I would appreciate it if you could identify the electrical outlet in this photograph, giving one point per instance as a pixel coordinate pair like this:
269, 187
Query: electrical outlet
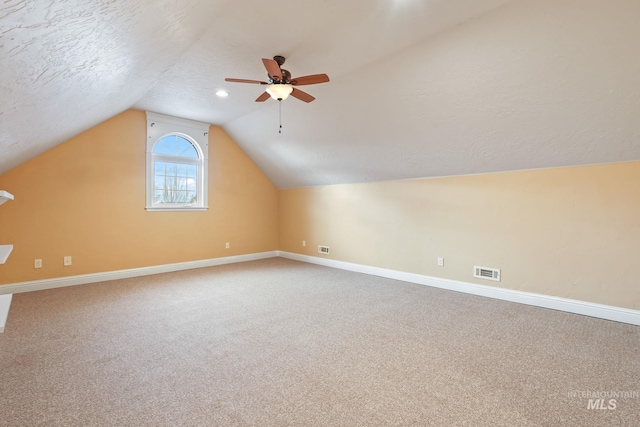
304, 243
37, 263
440, 262
227, 245
67, 261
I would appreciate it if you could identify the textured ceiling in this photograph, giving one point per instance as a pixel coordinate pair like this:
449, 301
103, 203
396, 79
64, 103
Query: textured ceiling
418, 88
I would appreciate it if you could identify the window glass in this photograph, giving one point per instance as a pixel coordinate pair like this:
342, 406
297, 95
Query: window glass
175, 145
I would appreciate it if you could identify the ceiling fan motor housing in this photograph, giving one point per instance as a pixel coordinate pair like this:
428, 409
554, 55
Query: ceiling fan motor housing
286, 75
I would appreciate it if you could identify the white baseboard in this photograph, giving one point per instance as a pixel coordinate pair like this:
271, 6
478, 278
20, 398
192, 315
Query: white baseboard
5, 303
59, 282
607, 312
601, 311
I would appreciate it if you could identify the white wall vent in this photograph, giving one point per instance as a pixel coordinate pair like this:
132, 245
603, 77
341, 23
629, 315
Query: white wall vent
486, 273
323, 249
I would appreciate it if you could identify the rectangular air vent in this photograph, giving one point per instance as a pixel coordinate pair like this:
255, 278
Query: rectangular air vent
323, 249
486, 273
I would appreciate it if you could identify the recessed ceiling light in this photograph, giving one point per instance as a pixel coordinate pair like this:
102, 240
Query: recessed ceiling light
222, 93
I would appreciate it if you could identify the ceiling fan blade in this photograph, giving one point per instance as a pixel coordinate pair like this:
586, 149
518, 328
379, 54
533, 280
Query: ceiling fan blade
255, 82
302, 96
273, 69
310, 80
263, 97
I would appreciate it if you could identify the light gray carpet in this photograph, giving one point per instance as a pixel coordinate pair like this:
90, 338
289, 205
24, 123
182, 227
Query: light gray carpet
282, 343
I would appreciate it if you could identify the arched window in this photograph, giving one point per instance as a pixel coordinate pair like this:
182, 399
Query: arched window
176, 163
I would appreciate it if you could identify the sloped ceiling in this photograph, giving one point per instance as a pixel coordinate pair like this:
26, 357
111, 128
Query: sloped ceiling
418, 88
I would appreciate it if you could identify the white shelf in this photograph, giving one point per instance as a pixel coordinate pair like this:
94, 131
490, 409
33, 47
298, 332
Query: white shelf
5, 303
5, 250
5, 196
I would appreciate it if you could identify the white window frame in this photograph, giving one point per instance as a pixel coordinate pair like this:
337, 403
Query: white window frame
159, 126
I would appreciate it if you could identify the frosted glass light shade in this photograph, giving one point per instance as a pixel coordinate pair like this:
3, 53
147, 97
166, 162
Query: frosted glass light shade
279, 91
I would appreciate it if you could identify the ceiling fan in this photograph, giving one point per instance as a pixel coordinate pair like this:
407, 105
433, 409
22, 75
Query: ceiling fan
280, 84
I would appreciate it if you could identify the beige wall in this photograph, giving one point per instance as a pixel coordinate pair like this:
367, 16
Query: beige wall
86, 198
572, 232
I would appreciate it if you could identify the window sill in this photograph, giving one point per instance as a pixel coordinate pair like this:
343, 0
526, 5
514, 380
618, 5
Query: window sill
177, 209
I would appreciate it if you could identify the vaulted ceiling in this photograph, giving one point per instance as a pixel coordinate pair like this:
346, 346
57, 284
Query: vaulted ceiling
418, 88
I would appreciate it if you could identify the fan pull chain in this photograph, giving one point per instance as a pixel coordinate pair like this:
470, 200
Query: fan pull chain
280, 108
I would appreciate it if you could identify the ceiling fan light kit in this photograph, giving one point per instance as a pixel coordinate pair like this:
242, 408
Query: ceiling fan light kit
279, 91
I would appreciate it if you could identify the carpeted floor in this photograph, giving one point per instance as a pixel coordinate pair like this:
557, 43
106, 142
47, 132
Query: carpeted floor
282, 343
